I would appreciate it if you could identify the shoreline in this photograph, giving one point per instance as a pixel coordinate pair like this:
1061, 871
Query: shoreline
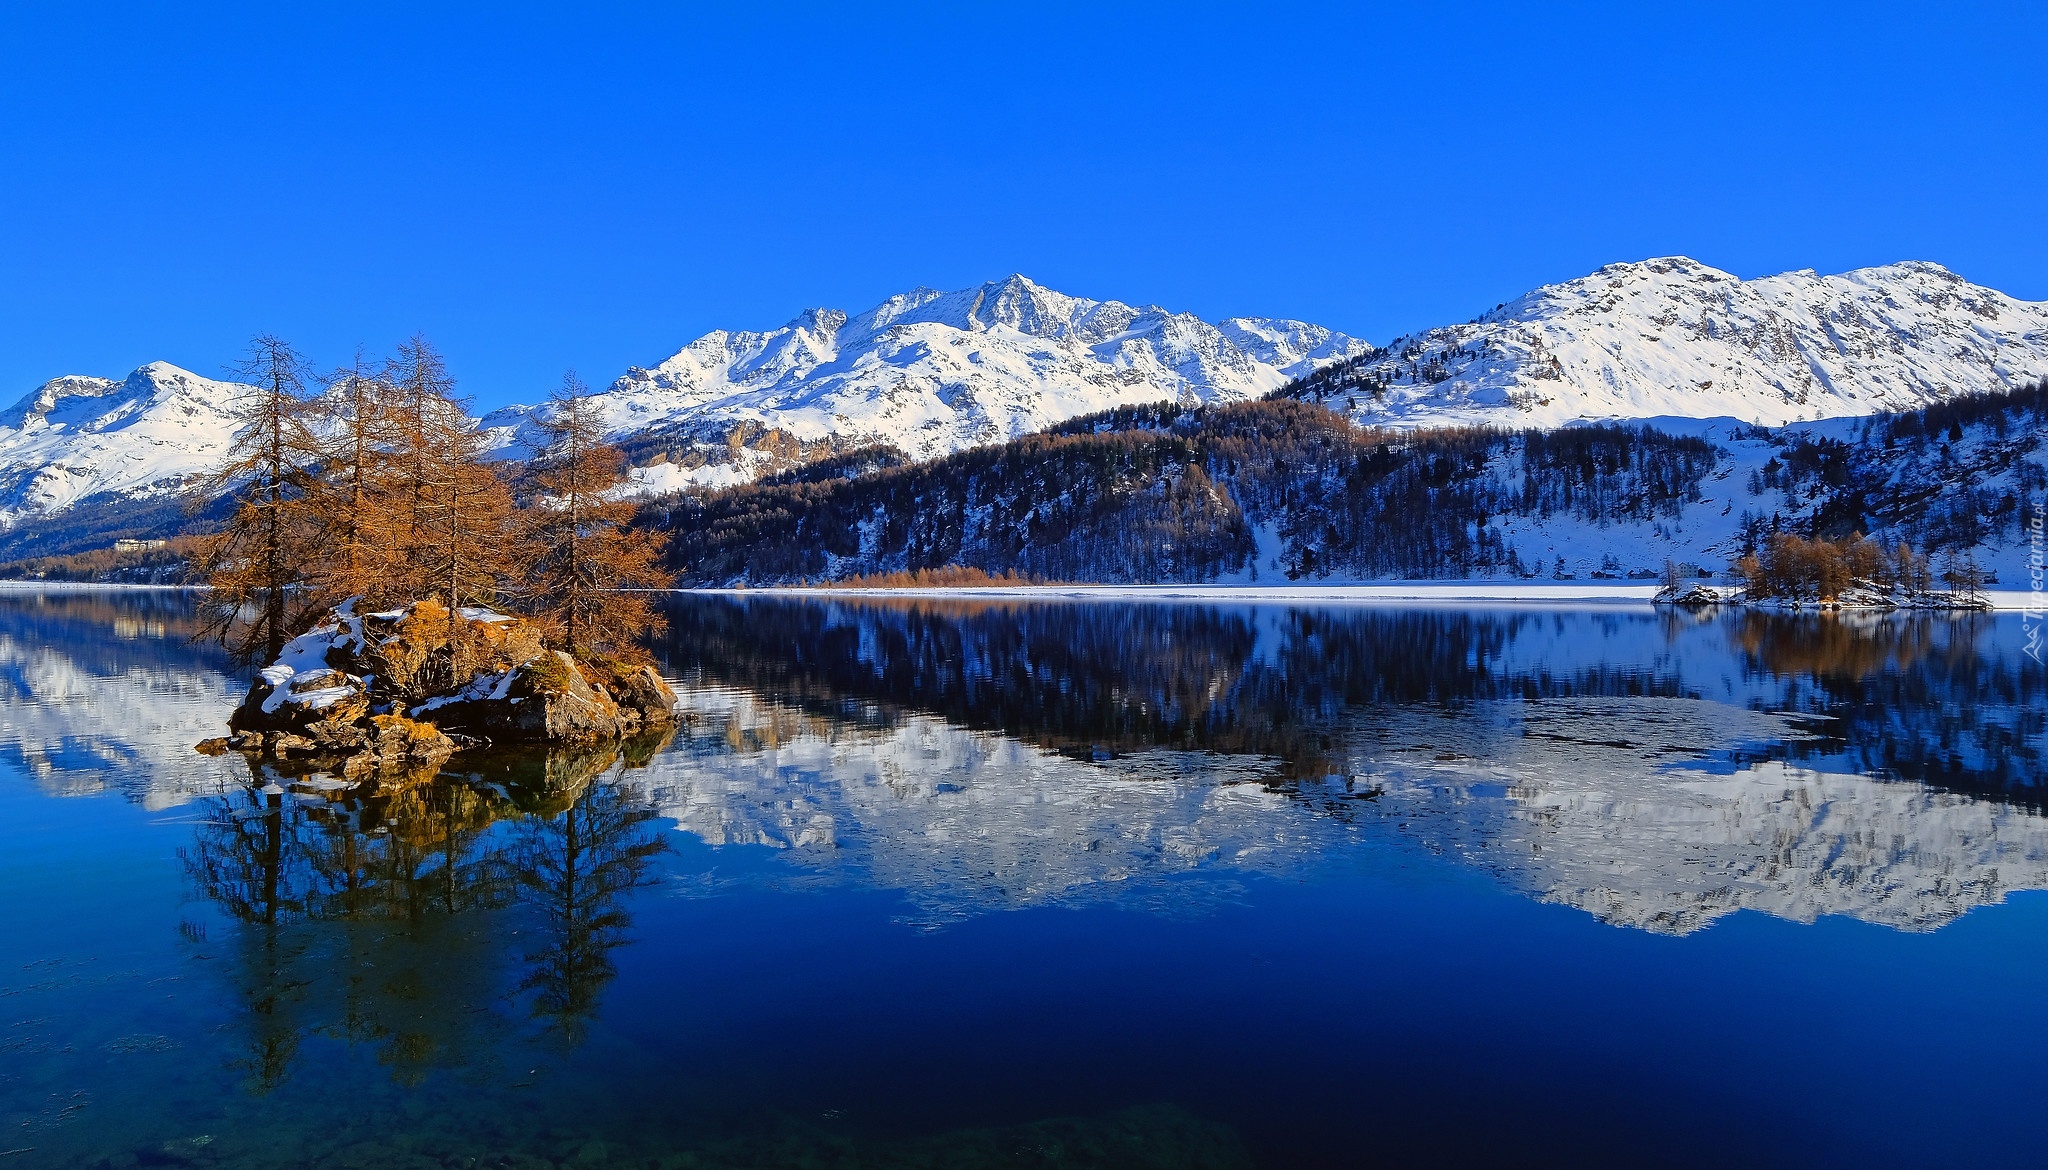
1630, 594
44, 586
1621, 594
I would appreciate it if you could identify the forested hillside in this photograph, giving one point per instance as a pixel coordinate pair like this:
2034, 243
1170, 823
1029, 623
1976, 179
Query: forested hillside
1173, 494
1955, 475
1284, 489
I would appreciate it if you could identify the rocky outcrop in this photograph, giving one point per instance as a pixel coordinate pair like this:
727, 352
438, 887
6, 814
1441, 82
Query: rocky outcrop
400, 691
379, 745
1691, 596
555, 699
1860, 595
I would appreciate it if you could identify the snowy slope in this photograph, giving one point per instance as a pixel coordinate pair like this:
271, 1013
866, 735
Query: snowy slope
150, 434
1674, 337
933, 372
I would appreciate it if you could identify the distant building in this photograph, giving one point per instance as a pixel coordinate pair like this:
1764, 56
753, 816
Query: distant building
126, 545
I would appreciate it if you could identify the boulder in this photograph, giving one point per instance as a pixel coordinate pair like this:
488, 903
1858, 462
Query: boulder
335, 689
644, 692
339, 736
547, 700
1692, 596
398, 747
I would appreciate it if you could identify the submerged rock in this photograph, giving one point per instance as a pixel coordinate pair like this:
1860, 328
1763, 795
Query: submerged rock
397, 691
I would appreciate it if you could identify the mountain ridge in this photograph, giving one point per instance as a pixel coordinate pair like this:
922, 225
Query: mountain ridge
932, 372
151, 434
1672, 336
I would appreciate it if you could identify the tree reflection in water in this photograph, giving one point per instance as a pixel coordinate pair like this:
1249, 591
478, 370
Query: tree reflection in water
393, 918
574, 868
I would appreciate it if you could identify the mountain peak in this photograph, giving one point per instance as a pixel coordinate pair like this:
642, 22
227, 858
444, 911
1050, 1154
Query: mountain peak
823, 322
1670, 336
931, 371
36, 405
150, 433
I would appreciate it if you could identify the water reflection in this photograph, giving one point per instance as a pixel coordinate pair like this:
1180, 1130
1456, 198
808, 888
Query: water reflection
1916, 697
430, 924
575, 868
1657, 771
424, 970
103, 690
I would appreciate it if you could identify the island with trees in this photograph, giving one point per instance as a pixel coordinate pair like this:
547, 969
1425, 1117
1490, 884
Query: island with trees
410, 593
1790, 572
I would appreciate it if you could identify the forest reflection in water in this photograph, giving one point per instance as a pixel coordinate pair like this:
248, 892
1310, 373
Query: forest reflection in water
524, 953
1929, 698
1656, 770
430, 923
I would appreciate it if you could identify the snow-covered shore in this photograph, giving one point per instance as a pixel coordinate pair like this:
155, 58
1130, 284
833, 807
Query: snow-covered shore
1549, 593
1565, 593
80, 586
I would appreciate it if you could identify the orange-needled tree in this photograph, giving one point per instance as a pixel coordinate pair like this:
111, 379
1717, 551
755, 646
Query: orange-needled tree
587, 565
357, 517
256, 565
422, 413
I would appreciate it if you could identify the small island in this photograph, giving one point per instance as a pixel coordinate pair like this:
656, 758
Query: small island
408, 591
1796, 574
369, 695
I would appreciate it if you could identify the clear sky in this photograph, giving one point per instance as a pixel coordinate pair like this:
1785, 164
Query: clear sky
593, 186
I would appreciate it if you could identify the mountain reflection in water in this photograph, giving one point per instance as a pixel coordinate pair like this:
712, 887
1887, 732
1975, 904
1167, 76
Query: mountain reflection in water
1655, 770
521, 954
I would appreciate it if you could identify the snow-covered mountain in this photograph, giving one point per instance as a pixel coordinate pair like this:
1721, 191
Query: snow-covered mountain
1673, 337
151, 434
934, 372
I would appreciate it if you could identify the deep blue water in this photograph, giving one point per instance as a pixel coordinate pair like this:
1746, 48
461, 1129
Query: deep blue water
1068, 884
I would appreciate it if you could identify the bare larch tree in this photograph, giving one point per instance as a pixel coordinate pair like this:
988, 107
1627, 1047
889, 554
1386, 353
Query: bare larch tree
256, 565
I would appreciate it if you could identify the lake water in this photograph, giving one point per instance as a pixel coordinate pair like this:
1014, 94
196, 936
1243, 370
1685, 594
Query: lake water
976, 884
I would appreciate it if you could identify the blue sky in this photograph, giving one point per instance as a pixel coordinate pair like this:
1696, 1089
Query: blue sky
592, 186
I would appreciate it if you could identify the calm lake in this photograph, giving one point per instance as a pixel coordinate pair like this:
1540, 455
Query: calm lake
1005, 884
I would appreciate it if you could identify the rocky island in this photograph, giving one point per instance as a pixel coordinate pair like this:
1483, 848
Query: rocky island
1794, 574
372, 539
1862, 595
401, 690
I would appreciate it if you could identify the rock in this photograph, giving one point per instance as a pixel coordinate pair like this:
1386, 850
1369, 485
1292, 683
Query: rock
219, 745
645, 692
337, 736
1693, 596
547, 700
398, 738
317, 700
396, 748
